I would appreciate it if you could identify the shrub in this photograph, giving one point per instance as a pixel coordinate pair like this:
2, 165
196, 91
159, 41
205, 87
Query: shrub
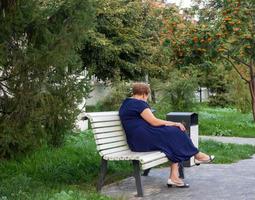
219, 85
179, 91
239, 93
220, 99
41, 79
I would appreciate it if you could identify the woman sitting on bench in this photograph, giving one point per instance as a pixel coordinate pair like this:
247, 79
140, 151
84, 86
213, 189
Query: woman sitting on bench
145, 132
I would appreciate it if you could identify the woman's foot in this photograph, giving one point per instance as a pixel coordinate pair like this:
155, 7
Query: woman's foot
209, 158
202, 156
179, 184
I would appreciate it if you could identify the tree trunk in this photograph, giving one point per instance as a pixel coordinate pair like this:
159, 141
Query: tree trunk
252, 92
153, 96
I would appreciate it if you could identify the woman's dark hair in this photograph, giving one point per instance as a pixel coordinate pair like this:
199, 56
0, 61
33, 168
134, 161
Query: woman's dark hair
140, 89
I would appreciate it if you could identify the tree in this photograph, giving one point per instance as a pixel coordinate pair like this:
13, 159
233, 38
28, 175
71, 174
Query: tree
235, 31
41, 80
124, 42
224, 33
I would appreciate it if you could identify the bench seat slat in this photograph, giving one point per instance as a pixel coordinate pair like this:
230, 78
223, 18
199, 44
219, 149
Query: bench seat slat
111, 145
105, 124
110, 140
143, 157
117, 155
154, 163
107, 129
127, 155
102, 114
113, 150
151, 157
105, 118
109, 134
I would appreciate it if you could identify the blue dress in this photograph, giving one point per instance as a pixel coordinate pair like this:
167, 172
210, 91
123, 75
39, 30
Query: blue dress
141, 136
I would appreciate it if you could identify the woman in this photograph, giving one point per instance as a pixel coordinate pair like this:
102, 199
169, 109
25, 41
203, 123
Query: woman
147, 133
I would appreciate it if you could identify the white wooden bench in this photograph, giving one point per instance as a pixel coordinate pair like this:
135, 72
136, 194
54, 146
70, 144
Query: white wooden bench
112, 145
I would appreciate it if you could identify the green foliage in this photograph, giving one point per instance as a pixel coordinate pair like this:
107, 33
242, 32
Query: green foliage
232, 33
239, 93
123, 42
162, 108
216, 80
226, 153
224, 33
69, 172
41, 80
179, 91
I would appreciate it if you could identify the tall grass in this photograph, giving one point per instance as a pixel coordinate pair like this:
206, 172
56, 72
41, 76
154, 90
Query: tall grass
225, 122
226, 153
69, 171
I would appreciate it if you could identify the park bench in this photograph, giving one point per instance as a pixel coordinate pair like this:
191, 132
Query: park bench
112, 145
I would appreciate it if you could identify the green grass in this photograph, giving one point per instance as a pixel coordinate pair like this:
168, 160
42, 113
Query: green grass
69, 172
216, 121
226, 153
225, 122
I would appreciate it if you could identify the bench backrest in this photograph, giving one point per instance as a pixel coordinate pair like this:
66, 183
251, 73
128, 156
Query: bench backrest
108, 132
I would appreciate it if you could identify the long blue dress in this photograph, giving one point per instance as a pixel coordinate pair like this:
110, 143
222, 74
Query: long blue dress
141, 136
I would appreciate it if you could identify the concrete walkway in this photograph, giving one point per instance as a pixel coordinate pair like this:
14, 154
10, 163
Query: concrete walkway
207, 182
235, 140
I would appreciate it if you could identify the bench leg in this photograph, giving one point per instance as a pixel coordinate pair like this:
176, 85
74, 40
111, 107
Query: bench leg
102, 174
137, 176
181, 170
146, 172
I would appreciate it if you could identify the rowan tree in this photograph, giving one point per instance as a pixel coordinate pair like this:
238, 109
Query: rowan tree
224, 33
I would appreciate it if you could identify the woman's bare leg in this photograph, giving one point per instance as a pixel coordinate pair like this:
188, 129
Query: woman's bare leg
174, 173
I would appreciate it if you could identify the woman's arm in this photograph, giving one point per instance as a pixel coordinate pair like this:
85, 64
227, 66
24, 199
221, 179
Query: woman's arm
148, 116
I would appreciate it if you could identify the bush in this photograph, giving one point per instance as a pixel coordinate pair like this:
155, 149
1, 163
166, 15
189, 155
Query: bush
239, 93
220, 99
161, 108
219, 85
179, 91
41, 80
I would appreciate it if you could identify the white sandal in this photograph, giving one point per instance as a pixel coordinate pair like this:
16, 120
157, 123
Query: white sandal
170, 183
211, 158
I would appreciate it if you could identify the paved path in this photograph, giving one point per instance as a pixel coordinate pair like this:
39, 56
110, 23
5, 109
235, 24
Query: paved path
236, 140
208, 182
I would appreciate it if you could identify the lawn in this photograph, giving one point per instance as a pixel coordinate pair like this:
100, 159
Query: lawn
66, 173
226, 153
216, 121
70, 172
225, 122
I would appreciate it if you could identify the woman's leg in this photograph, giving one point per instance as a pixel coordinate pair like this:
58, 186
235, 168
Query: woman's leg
174, 173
